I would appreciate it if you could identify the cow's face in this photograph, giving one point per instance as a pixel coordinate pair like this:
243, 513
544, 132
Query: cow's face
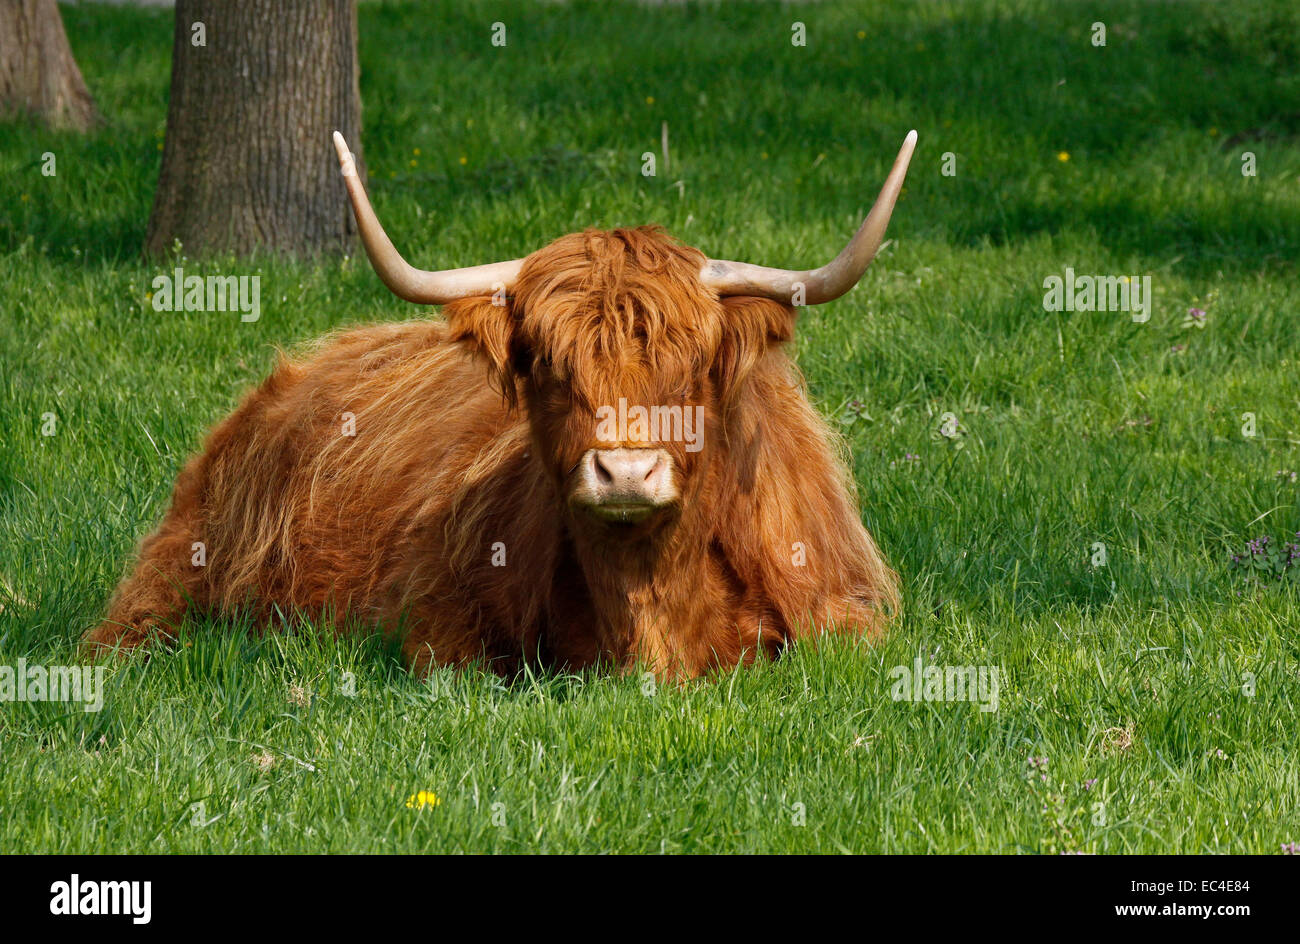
630, 350
627, 366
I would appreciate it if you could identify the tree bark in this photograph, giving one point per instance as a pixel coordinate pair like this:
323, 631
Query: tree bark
38, 75
247, 160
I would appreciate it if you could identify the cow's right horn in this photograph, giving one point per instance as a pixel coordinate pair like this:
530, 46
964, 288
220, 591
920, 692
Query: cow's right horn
406, 281
824, 284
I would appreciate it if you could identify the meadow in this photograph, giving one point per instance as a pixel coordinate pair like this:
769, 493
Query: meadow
1063, 493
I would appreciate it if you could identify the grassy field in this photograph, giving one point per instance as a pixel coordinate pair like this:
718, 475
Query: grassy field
1149, 701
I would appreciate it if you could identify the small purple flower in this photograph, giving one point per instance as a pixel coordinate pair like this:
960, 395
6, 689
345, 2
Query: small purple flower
1291, 848
1089, 784
1196, 314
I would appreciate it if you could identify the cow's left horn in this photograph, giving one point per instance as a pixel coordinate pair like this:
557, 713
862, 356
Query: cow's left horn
831, 280
406, 281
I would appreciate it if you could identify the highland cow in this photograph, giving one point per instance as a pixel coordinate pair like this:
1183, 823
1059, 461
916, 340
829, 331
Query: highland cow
461, 481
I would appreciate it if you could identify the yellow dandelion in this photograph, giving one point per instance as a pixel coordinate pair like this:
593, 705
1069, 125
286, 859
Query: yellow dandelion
411, 163
464, 159
416, 152
649, 99
1063, 156
1214, 132
764, 155
422, 799
862, 34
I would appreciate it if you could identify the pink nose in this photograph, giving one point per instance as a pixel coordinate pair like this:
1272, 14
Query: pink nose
632, 476
624, 486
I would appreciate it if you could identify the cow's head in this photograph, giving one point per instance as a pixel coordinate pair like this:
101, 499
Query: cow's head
628, 347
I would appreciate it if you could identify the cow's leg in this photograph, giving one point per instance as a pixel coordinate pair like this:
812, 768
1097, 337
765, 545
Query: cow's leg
166, 582
444, 634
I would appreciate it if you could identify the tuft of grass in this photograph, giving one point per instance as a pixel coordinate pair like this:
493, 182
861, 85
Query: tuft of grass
1062, 492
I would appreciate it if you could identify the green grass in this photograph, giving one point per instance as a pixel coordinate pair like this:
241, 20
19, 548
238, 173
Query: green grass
1077, 428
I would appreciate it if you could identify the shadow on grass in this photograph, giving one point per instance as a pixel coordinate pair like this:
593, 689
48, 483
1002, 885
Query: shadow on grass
1004, 87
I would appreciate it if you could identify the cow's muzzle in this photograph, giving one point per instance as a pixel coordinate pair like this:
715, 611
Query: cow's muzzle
624, 486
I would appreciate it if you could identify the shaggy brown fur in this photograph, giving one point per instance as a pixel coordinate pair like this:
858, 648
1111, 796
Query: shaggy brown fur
403, 525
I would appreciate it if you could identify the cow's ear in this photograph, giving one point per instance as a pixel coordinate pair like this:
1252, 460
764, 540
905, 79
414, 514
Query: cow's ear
750, 326
489, 326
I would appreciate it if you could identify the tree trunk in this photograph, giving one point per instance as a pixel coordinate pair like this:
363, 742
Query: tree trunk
247, 161
38, 75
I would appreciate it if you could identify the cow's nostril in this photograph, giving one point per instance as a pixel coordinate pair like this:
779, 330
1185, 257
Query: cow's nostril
624, 486
628, 474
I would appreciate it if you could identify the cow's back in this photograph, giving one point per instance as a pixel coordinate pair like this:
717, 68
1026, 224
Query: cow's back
334, 480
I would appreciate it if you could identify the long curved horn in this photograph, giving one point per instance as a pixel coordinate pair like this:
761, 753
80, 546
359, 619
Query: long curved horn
831, 280
406, 281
